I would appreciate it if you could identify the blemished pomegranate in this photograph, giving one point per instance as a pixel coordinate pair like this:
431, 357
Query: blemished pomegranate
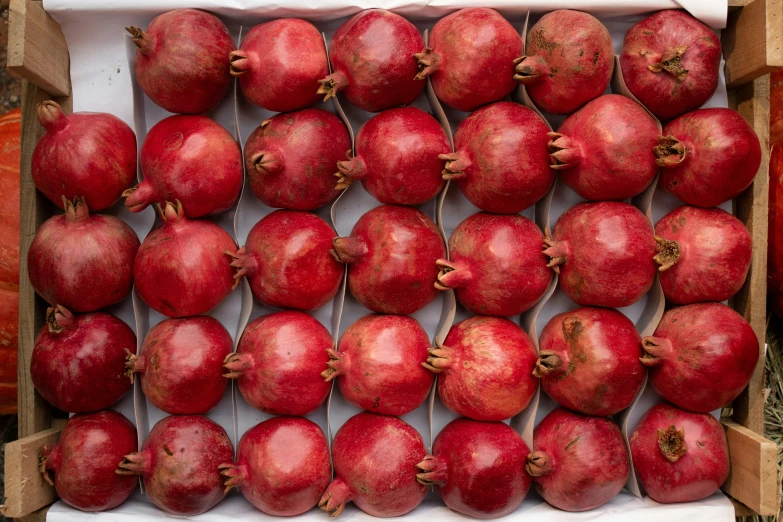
191, 159
391, 255
679, 456
377, 364
78, 361
470, 58
708, 156
183, 267
82, 261
397, 157
180, 464
588, 361
568, 61
670, 62
86, 154
604, 150
287, 262
181, 364
578, 462
290, 158
182, 60
501, 161
478, 468
375, 459
373, 61
279, 64
278, 363
496, 265
701, 356
485, 368
282, 466
604, 254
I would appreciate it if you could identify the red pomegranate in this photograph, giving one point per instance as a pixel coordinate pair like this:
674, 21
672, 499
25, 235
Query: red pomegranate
278, 363
397, 157
478, 468
775, 222
501, 161
701, 356
375, 459
604, 254
378, 364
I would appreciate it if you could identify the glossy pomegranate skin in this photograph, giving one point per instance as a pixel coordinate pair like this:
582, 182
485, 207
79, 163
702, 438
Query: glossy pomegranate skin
775, 240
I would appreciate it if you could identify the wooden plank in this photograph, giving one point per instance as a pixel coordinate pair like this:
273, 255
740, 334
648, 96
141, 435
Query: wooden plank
37, 516
741, 510
753, 41
738, 3
25, 488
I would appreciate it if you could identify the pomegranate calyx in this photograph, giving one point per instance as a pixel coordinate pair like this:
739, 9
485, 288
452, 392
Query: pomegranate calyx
58, 318
240, 63
530, 69
336, 496
139, 197
434, 471
349, 170
49, 460
672, 443
267, 162
141, 39
335, 366
171, 212
548, 363
538, 464
245, 262
235, 476
667, 254
348, 249
564, 152
133, 364
557, 252
76, 211
451, 275
441, 358
134, 464
671, 62
332, 84
670, 152
51, 116
655, 349
456, 164
429, 62
237, 364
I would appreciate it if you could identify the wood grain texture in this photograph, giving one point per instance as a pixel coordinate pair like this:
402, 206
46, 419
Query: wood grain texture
753, 41
36, 516
25, 489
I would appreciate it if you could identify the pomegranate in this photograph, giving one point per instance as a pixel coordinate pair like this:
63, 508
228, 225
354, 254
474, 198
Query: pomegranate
183, 268
373, 63
670, 62
486, 368
375, 459
82, 261
679, 456
709, 156
179, 463
282, 466
378, 364
290, 158
604, 254
496, 265
85, 458
578, 462
397, 157
470, 58
278, 362
286, 260
86, 154
78, 360
279, 64
182, 61
604, 150
501, 163
588, 361
568, 61
478, 468
191, 159
775, 222
701, 356
181, 364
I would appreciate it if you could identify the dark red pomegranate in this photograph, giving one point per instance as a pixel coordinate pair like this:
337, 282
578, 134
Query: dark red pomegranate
86, 154
578, 462
604, 150
478, 468
182, 60
279, 64
568, 61
701, 356
78, 361
391, 255
278, 363
708, 156
191, 159
470, 58
287, 262
180, 462
485, 368
397, 157
181, 364
501, 162
679, 456
378, 364
290, 158
603, 253
375, 459
82, 261
373, 61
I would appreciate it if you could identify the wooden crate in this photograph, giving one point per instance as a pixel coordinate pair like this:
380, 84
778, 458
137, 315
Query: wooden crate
753, 47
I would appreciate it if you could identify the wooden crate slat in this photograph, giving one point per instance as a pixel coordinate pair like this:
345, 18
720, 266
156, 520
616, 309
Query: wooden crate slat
25, 489
759, 49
